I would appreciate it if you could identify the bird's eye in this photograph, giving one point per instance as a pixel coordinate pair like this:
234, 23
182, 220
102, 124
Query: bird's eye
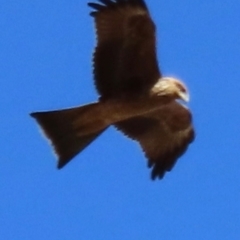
181, 88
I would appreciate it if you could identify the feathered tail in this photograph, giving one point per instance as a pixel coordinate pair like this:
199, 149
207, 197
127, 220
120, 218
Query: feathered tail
71, 130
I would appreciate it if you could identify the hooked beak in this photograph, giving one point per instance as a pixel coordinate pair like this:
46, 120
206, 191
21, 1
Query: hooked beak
184, 96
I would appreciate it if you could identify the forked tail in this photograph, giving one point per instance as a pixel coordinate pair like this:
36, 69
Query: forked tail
71, 130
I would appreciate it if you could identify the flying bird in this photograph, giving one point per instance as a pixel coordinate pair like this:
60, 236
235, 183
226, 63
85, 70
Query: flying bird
134, 96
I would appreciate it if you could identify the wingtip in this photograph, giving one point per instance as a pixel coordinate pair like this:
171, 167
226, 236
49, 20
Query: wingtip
155, 176
97, 7
109, 4
93, 14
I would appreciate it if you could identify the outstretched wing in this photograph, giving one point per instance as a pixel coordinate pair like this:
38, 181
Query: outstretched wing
164, 135
125, 58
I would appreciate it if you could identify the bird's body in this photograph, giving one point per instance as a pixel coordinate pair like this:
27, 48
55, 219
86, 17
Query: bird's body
134, 97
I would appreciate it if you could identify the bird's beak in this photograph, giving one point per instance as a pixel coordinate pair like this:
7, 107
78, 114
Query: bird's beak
184, 96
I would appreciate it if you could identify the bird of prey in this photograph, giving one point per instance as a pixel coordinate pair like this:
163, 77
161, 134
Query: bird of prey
134, 96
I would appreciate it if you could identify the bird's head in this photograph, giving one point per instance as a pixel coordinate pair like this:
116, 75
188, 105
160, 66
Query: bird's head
170, 87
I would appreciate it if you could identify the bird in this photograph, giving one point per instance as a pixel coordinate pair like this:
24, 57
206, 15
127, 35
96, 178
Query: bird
134, 96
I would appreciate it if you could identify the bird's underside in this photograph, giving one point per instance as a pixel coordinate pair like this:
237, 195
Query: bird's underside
134, 97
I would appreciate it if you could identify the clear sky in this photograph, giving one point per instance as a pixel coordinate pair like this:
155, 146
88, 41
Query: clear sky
106, 192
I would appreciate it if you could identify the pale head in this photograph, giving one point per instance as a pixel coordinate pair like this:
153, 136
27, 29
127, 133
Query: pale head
170, 87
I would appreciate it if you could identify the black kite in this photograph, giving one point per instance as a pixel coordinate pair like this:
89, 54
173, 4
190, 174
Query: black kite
134, 96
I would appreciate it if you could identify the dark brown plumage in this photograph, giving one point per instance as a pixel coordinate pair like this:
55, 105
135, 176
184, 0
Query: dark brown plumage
134, 97
125, 35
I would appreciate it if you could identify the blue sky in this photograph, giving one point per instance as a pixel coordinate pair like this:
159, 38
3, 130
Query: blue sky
106, 192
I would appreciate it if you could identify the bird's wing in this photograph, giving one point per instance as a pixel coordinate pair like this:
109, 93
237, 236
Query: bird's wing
125, 57
164, 135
